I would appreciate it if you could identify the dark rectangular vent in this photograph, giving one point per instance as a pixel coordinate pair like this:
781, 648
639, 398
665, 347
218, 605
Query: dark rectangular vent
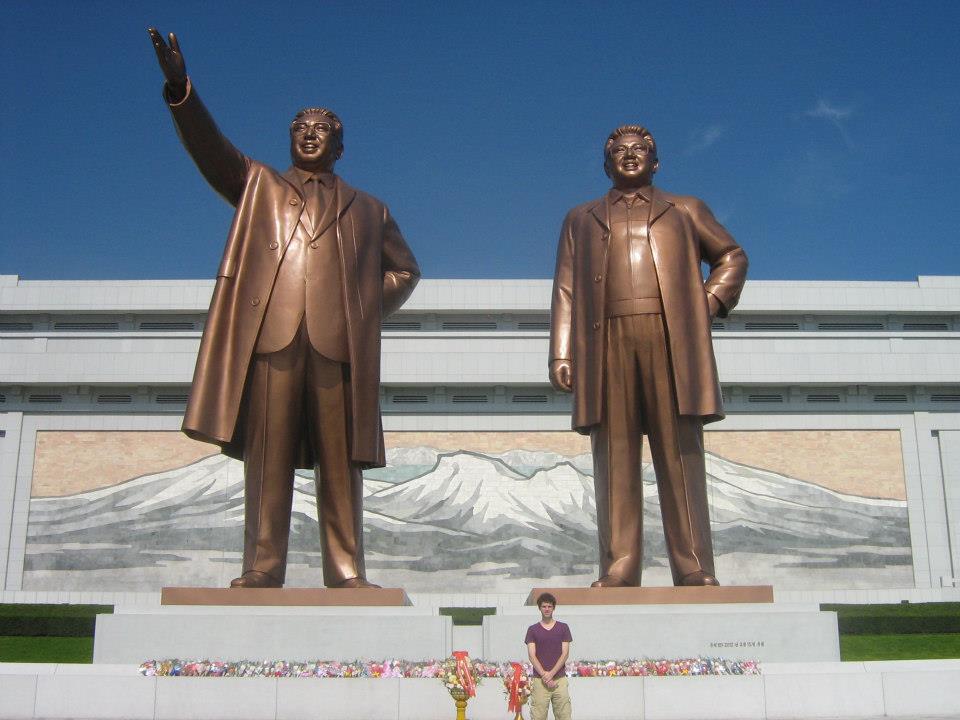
3, 398
855, 326
718, 326
172, 398
765, 398
529, 399
890, 398
86, 326
945, 397
14, 326
533, 325
171, 326
114, 399
469, 398
43, 398
926, 326
823, 398
772, 326
409, 399
469, 326
400, 325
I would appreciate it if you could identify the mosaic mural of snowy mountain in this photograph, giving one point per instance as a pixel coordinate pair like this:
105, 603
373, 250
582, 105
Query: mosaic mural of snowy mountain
438, 521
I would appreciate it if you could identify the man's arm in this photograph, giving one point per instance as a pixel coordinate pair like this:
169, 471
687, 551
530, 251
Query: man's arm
224, 167
564, 654
532, 654
561, 313
400, 270
727, 260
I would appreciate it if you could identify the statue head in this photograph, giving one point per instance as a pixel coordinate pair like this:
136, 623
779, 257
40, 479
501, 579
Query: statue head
316, 139
630, 157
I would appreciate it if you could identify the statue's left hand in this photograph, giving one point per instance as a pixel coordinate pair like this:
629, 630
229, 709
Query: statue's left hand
713, 304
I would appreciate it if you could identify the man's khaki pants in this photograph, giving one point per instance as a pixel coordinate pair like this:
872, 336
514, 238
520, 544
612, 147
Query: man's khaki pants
541, 697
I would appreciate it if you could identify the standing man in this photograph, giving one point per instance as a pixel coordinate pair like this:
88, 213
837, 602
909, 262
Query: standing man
289, 366
548, 646
630, 338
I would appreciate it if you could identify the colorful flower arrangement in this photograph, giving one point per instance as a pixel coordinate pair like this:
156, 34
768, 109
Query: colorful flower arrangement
516, 686
439, 668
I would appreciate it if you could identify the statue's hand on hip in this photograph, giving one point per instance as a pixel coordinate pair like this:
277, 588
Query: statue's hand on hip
171, 62
561, 375
713, 305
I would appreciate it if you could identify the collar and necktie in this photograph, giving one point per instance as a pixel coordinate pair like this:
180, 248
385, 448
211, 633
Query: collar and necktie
316, 190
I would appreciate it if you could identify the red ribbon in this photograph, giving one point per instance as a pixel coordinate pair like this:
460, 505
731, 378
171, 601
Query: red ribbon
513, 703
465, 672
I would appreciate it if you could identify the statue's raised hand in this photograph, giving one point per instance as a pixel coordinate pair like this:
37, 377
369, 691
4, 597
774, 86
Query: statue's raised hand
172, 63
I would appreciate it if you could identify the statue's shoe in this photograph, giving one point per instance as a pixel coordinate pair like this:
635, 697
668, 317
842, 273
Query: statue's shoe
354, 582
255, 579
610, 581
699, 578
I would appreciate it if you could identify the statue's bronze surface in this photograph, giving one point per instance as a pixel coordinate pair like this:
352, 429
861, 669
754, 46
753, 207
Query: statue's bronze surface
289, 366
630, 337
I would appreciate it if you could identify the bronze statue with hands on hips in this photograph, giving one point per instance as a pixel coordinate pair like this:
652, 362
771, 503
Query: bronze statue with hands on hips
288, 370
630, 338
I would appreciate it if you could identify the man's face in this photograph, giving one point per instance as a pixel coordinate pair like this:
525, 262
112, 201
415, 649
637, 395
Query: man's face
546, 609
630, 162
313, 143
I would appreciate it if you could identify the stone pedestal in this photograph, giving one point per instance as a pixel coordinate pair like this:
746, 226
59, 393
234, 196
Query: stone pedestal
657, 595
315, 597
270, 632
739, 631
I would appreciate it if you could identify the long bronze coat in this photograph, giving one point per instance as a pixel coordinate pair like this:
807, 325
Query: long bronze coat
683, 233
378, 273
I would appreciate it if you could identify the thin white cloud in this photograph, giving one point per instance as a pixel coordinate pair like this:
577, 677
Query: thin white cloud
835, 115
704, 138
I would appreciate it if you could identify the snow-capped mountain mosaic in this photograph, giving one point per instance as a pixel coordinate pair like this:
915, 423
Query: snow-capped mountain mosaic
462, 521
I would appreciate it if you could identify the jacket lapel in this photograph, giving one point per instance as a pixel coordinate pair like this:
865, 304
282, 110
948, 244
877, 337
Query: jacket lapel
343, 196
601, 213
660, 206
290, 175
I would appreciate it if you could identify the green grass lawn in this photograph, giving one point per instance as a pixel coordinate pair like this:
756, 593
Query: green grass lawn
899, 647
46, 649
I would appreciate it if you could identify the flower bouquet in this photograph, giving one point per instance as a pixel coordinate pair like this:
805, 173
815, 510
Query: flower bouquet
516, 685
458, 678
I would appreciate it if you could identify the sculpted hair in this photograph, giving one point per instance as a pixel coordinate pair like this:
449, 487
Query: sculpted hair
337, 125
631, 130
546, 598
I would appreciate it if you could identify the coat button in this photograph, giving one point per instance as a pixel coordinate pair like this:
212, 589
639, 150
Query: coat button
255, 301
314, 245
294, 201
596, 325
273, 245
598, 278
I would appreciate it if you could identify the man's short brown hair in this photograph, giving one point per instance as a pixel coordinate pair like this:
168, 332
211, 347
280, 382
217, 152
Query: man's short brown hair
546, 598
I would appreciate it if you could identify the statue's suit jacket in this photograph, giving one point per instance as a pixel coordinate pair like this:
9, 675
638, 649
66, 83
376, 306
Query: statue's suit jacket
378, 272
683, 232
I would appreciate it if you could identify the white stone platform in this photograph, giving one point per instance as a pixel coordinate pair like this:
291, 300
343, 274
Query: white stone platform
769, 632
787, 691
132, 635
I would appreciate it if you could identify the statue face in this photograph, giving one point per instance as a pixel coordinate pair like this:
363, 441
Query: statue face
630, 162
314, 144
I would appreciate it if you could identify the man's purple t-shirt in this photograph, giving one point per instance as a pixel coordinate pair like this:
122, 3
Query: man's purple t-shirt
549, 644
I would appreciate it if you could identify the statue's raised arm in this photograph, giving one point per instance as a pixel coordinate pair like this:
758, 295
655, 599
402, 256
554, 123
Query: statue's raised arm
224, 167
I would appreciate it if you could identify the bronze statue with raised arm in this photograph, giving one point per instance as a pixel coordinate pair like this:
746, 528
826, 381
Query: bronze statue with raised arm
288, 372
630, 338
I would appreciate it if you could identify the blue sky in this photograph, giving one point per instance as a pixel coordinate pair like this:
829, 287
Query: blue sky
822, 134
